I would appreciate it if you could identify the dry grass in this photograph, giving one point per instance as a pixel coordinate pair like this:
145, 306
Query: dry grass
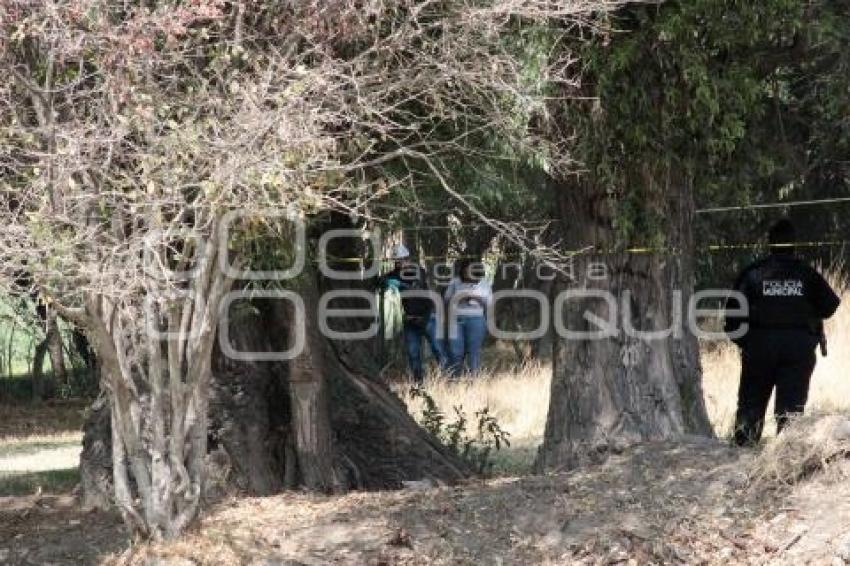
520, 399
676, 503
657, 504
41, 457
40, 446
810, 444
43, 461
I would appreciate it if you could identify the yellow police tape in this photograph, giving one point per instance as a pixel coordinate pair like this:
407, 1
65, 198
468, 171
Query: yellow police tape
590, 250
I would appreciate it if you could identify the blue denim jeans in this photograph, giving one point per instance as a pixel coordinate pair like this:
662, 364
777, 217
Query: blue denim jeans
465, 343
414, 332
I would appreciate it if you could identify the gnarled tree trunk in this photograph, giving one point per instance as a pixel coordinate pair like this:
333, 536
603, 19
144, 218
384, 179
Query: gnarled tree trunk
370, 441
624, 388
308, 394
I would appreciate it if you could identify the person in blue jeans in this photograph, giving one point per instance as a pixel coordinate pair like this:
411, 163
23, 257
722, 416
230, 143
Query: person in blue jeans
414, 331
418, 311
468, 295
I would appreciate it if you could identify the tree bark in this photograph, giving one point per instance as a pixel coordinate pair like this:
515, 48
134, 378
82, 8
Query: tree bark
622, 389
308, 393
96, 457
55, 348
366, 439
45, 387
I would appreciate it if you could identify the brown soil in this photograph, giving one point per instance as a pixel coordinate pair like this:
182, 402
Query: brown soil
52, 530
684, 503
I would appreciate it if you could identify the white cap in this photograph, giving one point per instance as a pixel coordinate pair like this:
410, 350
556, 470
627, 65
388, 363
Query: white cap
400, 252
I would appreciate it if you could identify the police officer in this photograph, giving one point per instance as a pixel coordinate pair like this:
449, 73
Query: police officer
788, 301
409, 278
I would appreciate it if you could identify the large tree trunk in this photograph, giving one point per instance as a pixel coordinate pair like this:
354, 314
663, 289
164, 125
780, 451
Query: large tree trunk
308, 393
156, 355
45, 387
318, 421
315, 421
623, 389
55, 348
371, 441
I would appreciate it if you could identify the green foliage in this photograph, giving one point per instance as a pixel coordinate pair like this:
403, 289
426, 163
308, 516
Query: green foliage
685, 87
500, 178
21, 331
475, 446
743, 102
19, 334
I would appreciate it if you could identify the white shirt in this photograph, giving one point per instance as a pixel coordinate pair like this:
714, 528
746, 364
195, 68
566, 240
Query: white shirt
470, 299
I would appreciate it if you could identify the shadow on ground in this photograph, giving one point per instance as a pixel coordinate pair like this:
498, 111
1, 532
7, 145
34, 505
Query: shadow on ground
50, 529
50, 481
659, 503
662, 503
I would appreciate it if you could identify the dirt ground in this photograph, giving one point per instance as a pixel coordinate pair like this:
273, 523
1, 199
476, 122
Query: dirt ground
666, 503
51, 529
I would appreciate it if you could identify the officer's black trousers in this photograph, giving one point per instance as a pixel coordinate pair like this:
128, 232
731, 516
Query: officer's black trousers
783, 359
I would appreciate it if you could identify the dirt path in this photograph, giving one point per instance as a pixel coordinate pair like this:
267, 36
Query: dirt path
59, 458
813, 524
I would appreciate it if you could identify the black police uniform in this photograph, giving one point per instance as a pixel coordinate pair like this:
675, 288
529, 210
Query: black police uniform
788, 301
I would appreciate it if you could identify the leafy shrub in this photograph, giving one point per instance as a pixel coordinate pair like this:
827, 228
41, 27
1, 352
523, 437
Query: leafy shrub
475, 446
